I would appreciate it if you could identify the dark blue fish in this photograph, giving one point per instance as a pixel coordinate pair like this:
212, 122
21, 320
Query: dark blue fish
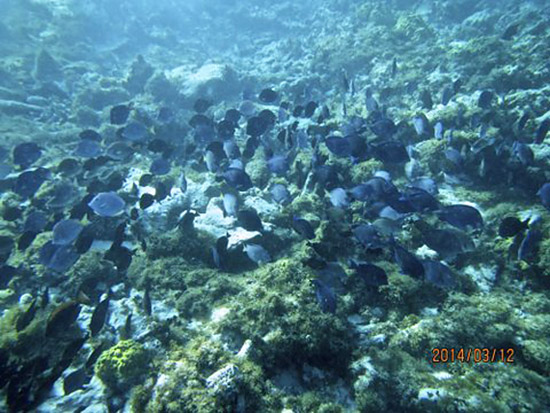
368, 236
268, 96
407, 261
230, 204
380, 125
135, 132
160, 166
529, 246
310, 109
446, 95
249, 220
119, 114
448, 243
544, 194
36, 222
461, 216
25, 154
29, 182
338, 146
201, 105
280, 194
511, 226
373, 275
257, 126
339, 198
485, 99
303, 227
119, 151
257, 253
524, 153
165, 115
542, 130
325, 296
226, 129
278, 164
233, 116
391, 152
237, 178
107, 204
454, 156
427, 184
420, 199
66, 231
58, 257
438, 274
231, 149
88, 149
90, 134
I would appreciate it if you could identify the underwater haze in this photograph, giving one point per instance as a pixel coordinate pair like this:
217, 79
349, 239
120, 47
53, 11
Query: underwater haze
259, 206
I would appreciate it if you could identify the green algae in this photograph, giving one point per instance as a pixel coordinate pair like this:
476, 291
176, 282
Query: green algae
123, 365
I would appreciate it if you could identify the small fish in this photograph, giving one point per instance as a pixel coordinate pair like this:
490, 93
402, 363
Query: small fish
147, 305
62, 317
542, 130
26, 317
146, 200
394, 67
426, 99
446, 95
99, 315
544, 194
439, 130
510, 31
523, 120
126, 330
94, 355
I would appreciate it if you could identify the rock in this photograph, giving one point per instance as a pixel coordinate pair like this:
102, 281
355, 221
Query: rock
46, 68
90, 399
429, 395
214, 223
215, 81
